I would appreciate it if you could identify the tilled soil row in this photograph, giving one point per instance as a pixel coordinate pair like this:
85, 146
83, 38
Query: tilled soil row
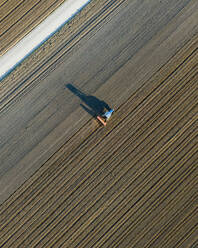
64, 187
87, 151
137, 99
175, 95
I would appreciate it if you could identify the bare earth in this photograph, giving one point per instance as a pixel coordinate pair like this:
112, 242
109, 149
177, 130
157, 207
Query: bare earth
65, 180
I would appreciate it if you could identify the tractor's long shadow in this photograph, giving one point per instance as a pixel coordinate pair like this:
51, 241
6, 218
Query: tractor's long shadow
92, 104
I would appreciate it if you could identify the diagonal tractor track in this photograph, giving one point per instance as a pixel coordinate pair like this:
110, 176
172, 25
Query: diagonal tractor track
132, 184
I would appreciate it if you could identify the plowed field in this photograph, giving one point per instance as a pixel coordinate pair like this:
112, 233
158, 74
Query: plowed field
67, 181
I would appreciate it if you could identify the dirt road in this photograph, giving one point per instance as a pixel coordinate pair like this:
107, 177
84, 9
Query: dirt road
131, 184
19, 17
